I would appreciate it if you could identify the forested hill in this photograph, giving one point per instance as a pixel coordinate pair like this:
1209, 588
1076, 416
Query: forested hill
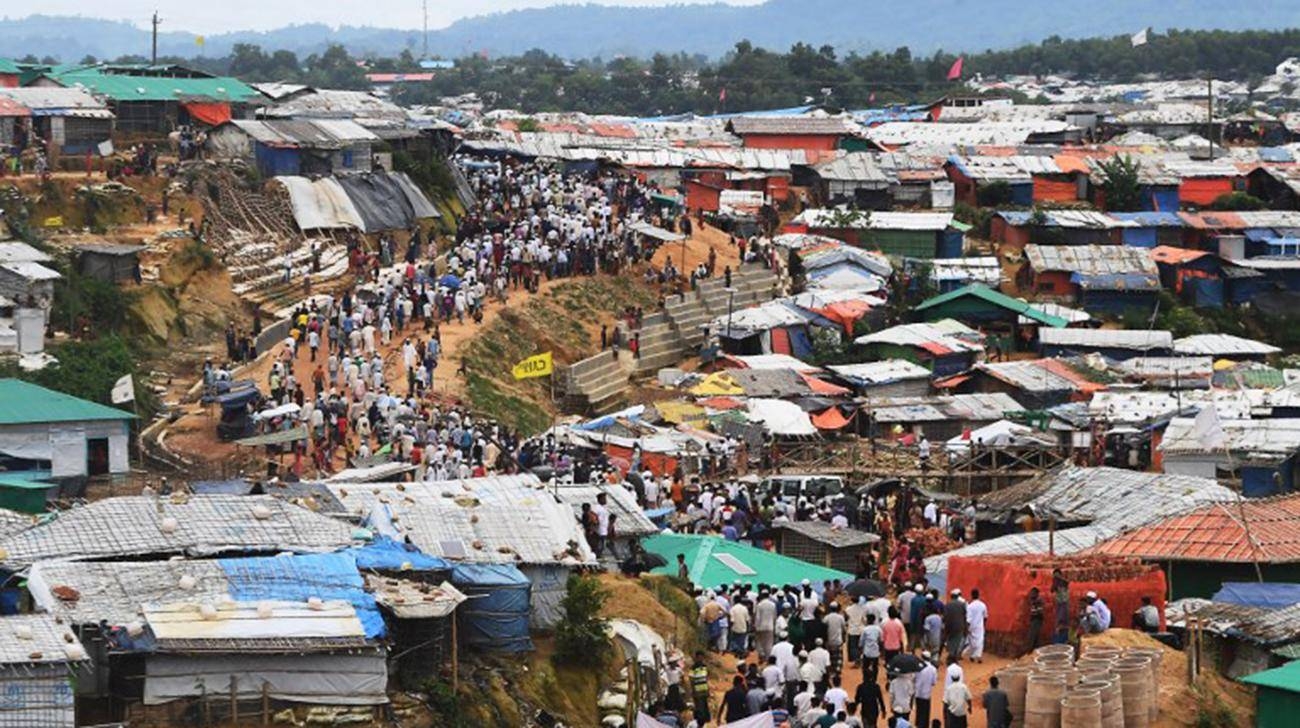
585, 31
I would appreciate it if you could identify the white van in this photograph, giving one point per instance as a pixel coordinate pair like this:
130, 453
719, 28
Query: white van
790, 488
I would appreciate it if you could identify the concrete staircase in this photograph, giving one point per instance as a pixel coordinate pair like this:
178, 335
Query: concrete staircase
598, 385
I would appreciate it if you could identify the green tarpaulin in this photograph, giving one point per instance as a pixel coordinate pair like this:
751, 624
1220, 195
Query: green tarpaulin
713, 561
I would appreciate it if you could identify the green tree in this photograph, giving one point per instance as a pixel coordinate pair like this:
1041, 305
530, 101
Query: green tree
1238, 202
1122, 184
580, 637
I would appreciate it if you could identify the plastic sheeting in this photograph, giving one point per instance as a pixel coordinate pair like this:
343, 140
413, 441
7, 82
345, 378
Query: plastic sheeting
331, 679
212, 113
389, 555
781, 418
297, 578
496, 614
385, 201
321, 204
1267, 596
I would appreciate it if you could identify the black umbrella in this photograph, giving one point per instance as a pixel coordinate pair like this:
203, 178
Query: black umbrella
868, 588
905, 664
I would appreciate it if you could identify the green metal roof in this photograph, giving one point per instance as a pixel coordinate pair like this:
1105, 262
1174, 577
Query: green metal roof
1001, 300
710, 560
8, 66
1286, 677
24, 403
123, 87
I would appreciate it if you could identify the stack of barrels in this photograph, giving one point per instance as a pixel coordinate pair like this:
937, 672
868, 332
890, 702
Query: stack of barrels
1105, 687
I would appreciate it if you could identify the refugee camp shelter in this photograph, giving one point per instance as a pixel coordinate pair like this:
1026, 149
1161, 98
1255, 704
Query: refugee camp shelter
39, 657
809, 133
939, 418
60, 435
372, 203
1260, 454
513, 520
817, 542
110, 262
923, 235
1224, 346
1038, 384
1239, 633
295, 147
1202, 548
421, 617
1277, 695
70, 120
1119, 344
887, 378
980, 305
158, 98
949, 274
24, 278
291, 629
191, 525
945, 347
713, 561
1108, 279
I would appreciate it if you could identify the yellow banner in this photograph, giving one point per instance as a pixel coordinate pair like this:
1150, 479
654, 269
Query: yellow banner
535, 366
56, 221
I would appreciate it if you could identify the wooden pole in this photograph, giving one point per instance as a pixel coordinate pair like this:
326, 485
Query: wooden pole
455, 657
234, 700
266, 703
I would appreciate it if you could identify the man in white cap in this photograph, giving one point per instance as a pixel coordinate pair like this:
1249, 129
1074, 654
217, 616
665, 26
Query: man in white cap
924, 686
856, 617
764, 624
820, 658
956, 699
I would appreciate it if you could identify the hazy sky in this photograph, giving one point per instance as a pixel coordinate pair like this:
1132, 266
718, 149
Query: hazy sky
221, 15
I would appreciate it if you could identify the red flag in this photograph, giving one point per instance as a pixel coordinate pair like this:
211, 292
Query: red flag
954, 73
722, 95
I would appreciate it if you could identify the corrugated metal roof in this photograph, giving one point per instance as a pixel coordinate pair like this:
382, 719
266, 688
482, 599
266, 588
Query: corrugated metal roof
987, 270
881, 372
1111, 497
790, 125
1266, 440
824, 533
12, 108
900, 133
115, 591
32, 271
960, 407
931, 337
25, 403
50, 100
1252, 530
1222, 345
854, 167
1063, 543
200, 525
14, 251
988, 295
1037, 376
1269, 627
1137, 340
124, 87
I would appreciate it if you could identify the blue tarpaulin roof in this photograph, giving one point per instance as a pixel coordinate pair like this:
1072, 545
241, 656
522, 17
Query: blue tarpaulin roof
387, 554
1251, 594
496, 615
1259, 235
239, 486
297, 578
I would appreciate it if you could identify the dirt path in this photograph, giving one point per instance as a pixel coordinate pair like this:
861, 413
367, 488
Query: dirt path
193, 435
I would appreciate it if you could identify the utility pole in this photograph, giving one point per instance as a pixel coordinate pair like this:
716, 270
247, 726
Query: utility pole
156, 21
1209, 129
425, 5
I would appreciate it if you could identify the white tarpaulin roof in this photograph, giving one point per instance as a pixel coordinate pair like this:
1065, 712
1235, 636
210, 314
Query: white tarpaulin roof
321, 204
781, 417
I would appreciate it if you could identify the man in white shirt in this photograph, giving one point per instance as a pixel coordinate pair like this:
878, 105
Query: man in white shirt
956, 700
601, 509
856, 616
764, 624
977, 613
773, 678
820, 658
923, 685
931, 513
739, 615
837, 696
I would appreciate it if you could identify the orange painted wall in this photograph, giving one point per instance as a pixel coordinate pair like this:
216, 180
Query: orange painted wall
1203, 191
702, 197
1047, 189
1009, 234
812, 142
